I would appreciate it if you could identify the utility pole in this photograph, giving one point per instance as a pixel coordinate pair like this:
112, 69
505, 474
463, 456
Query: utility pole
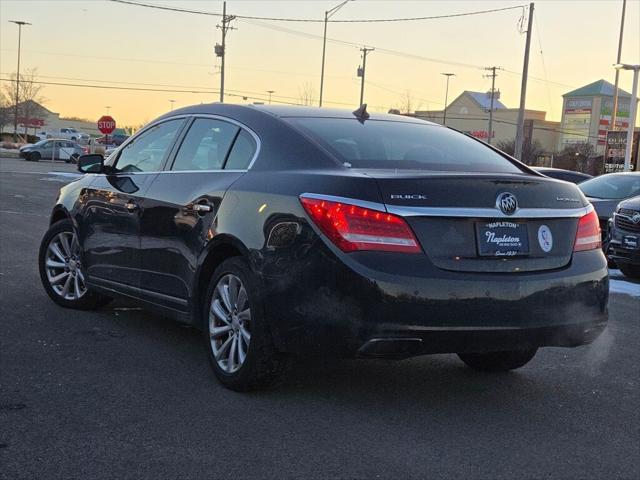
20, 23
632, 111
614, 114
493, 76
327, 15
270, 92
220, 50
362, 71
523, 88
446, 97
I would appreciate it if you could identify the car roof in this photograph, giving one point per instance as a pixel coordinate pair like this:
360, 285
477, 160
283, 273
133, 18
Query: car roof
563, 170
618, 174
286, 111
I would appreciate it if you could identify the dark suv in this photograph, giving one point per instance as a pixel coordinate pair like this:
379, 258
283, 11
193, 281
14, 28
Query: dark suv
624, 245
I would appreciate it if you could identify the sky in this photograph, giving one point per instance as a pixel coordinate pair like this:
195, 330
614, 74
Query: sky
99, 42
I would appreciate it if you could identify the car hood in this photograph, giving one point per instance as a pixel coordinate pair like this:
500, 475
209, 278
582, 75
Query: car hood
632, 203
26, 148
604, 206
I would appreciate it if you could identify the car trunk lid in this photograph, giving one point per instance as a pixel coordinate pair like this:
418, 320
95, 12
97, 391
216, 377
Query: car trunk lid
460, 226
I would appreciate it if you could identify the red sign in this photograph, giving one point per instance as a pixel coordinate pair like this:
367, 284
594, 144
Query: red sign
31, 122
106, 124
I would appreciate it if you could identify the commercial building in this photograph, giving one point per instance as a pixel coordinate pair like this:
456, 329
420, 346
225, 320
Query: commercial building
469, 112
34, 117
586, 115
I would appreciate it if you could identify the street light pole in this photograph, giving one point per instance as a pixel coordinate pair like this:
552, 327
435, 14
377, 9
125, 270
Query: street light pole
614, 113
446, 97
20, 23
632, 111
270, 92
327, 15
172, 102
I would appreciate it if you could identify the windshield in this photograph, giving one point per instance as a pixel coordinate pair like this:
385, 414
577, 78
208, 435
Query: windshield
612, 186
402, 145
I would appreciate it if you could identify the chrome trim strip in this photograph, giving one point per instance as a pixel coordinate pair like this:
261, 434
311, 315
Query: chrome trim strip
351, 201
488, 212
462, 212
195, 115
163, 172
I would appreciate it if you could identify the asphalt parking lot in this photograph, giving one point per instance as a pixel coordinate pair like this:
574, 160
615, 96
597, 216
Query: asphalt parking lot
122, 393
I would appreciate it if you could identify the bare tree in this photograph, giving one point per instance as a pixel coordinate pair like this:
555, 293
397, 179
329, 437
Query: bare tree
530, 150
307, 95
408, 104
28, 96
5, 111
579, 154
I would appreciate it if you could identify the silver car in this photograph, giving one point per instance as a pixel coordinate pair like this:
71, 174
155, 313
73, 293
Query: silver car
53, 149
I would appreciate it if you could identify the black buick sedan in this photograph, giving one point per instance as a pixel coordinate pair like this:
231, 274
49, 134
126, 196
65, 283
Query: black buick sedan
282, 231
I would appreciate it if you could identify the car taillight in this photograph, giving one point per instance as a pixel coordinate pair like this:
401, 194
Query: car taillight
352, 228
588, 236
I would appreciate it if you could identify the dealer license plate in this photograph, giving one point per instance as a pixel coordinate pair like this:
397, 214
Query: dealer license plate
502, 239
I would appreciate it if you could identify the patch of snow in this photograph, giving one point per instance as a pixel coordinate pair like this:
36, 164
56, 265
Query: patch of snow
618, 283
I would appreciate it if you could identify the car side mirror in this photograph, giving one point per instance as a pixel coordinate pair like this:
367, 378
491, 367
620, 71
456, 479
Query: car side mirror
91, 163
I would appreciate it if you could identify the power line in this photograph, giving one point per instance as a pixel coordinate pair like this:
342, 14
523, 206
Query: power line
314, 20
246, 94
544, 66
141, 89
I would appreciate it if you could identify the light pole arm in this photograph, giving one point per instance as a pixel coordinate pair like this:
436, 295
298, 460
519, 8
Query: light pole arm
328, 14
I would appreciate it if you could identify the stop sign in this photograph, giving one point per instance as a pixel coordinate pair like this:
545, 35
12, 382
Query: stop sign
106, 124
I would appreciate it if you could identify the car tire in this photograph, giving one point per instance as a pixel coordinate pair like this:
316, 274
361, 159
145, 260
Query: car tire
34, 156
498, 361
631, 271
61, 269
238, 340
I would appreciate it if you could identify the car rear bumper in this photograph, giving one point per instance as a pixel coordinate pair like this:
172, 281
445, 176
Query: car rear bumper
360, 304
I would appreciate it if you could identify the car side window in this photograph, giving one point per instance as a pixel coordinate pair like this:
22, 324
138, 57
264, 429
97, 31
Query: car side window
205, 146
243, 150
147, 152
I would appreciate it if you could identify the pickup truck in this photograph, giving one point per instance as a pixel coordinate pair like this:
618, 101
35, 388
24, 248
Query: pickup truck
67, 133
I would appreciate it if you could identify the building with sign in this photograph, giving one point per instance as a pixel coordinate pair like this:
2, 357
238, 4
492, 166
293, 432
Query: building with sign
586, 115
39, 118
469, 112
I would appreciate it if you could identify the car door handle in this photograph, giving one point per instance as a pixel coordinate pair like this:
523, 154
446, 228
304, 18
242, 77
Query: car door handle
131, 205
202, 208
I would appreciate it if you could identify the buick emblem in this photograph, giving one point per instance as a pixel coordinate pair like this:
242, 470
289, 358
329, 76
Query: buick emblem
636, 217
507, 203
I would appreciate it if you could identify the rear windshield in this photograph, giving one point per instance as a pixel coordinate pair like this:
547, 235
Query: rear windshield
612, 186
402, 145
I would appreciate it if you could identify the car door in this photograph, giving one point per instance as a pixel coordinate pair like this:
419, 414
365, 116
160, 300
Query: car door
181, 204
64, 150
46, 150
109, 226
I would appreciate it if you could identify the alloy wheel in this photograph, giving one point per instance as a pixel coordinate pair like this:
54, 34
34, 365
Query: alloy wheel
63, 267
230, 323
